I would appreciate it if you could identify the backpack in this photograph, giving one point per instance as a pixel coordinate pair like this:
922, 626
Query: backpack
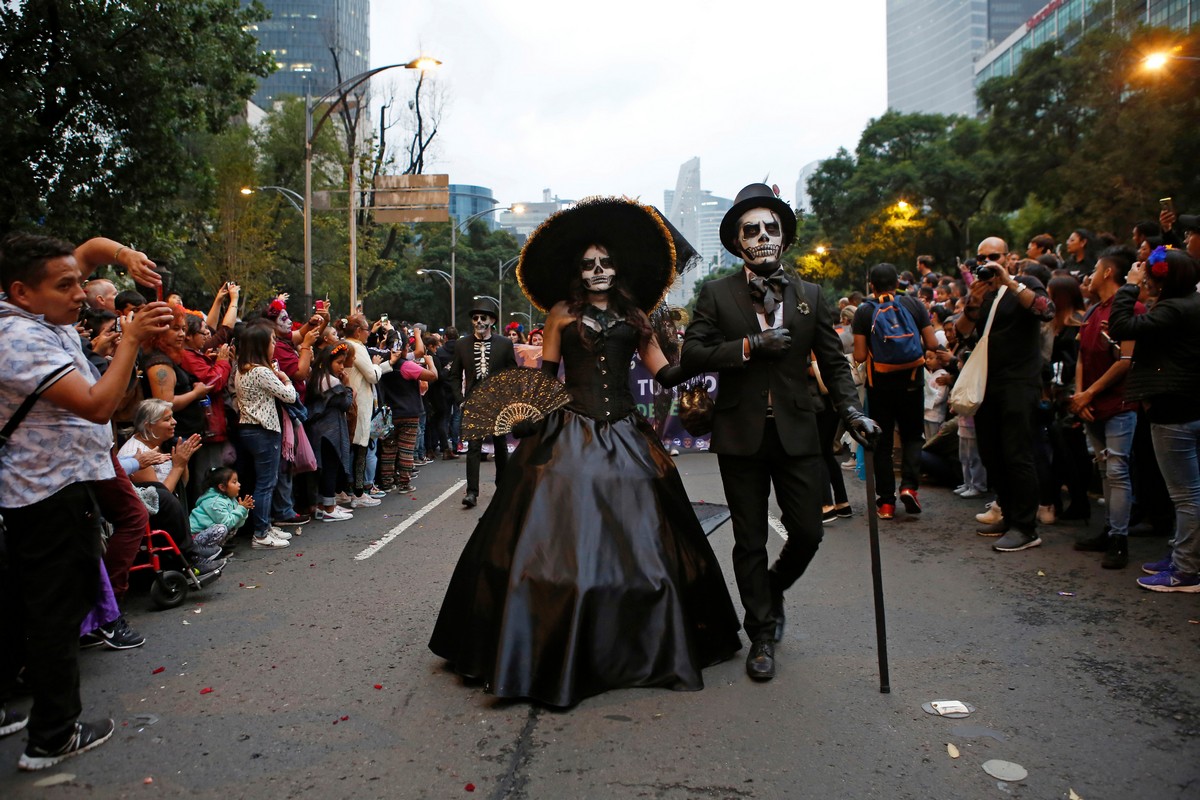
895, 341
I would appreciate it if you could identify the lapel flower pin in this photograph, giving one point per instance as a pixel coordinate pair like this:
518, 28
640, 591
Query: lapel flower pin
802, 307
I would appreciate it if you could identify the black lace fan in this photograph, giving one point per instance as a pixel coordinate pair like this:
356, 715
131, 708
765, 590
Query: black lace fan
502, 400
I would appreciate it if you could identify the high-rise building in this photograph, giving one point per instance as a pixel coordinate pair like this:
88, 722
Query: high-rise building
300, 35
803, 202
696, 214
528, 215
466, 200
932, 46
1067, 20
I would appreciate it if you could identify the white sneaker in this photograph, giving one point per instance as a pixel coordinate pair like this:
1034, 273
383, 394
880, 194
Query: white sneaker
279, 533
992, 515
970, 493
364, 501
268, 542
342, 497
959, 489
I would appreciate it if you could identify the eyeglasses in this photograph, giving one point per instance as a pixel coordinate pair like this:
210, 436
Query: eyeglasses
990, 256
599, 262
481, 318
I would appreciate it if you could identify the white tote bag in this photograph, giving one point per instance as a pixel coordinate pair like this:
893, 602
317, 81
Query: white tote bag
968, 391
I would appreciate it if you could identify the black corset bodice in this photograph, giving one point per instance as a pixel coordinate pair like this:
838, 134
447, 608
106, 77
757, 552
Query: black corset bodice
598, 378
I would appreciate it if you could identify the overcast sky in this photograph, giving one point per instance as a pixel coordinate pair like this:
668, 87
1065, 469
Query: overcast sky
612, 96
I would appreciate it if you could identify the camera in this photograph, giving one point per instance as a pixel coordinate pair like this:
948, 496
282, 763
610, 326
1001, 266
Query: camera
985, 272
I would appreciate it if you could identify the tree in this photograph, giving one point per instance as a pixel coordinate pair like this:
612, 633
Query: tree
106, 103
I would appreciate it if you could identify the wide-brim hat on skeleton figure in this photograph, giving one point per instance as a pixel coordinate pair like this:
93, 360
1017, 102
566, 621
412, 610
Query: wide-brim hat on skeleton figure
756, 195
648, 250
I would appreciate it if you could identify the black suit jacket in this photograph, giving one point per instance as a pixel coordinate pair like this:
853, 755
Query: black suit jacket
725, 316
501, 356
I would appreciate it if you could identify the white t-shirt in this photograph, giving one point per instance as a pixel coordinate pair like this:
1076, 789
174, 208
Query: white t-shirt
135, 446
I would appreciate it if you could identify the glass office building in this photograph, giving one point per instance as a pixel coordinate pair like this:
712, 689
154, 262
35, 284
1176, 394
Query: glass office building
466, 200
300, 34
1067, 20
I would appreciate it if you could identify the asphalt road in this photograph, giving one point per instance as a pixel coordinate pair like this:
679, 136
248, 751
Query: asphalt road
322, 685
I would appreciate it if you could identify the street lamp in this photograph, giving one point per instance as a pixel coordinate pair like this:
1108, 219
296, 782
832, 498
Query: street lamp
528, 319
501, 268
293, 197
310, 134
486, 297
516, 209
1156, 61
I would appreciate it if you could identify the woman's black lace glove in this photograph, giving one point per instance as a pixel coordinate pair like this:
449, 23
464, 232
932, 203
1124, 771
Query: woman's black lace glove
550, 368
671, 375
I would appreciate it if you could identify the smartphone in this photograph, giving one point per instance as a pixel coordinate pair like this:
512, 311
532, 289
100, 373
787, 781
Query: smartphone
1167, 204
320, 305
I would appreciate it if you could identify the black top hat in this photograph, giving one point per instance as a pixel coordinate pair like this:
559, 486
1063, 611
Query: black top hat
642, 247
756, 195
484, 306
1188, 222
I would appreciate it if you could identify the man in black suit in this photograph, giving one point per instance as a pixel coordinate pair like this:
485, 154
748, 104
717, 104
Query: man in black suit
475, 357
757, 328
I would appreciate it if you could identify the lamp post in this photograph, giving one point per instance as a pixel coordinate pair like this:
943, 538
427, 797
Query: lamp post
293, 197
310, 134
528, 319
501, 268
441, 273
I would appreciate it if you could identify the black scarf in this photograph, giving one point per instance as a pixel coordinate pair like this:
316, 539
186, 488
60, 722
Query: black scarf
765, 302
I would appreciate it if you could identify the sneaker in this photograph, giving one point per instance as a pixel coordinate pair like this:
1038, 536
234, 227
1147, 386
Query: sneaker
909, 498
1155, 567
421, 462
887, 511
850, 465
86, 736
279, 533
1171, 580
94, 639
962, 487
342, 497
1046, 515
992, 515
268, 542
363, 501
12, 721
376, 492
294, 519
116, 635
404, 488
1016, 540
205, 567
201, 553
971, 493
337, 515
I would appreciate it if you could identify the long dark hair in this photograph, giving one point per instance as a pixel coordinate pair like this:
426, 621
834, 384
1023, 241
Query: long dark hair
323, 363
620, 300
254, 347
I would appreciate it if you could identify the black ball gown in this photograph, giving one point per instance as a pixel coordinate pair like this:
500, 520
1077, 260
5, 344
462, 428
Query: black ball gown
588, 571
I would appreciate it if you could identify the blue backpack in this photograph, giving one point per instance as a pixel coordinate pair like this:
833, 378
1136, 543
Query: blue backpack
895, 343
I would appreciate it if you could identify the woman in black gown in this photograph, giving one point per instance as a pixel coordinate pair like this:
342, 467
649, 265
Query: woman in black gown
589, 570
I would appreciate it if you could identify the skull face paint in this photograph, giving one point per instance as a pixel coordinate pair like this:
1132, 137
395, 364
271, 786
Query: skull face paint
760, 235
482, 324
597, 269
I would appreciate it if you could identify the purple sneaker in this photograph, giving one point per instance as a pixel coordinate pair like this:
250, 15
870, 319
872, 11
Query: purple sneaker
1171, 581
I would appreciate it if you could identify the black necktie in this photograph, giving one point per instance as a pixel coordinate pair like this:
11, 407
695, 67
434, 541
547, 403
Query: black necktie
765, 302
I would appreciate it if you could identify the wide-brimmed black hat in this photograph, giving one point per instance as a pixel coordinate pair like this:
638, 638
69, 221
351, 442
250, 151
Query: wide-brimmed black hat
484, 306
756, 195
645, 250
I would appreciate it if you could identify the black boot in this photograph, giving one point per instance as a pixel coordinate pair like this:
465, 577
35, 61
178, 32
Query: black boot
1117, 555
470, 499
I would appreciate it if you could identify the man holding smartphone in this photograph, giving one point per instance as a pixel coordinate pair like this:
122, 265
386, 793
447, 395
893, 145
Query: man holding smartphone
1004, 423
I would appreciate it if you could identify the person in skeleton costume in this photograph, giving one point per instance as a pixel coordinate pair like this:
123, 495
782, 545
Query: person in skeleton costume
757, 328
475, 357
589, 570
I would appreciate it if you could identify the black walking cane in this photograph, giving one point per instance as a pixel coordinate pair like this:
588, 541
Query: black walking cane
885, 685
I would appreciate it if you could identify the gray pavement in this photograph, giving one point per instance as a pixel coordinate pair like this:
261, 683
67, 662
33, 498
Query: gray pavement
1096, 691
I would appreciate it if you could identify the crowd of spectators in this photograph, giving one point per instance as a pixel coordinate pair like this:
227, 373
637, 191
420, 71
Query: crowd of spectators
1091, 388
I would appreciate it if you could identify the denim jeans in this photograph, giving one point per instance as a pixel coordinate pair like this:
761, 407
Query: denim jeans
372, 462
281, 499
264, 447
1112, 442
1177, 447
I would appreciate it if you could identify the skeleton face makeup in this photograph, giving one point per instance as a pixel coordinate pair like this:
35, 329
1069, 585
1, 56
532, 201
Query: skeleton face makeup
760, 236
283, 323
597, 269
482, 324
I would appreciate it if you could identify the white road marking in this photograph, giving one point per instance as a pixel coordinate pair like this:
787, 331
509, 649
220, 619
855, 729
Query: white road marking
778, 526
403, 526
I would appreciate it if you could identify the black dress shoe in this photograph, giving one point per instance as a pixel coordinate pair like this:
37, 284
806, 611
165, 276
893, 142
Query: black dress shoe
760, 663
780, 619
470, 499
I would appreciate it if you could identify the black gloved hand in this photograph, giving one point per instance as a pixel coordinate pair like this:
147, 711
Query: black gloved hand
862, 428
771, 343
525, 427
670, 375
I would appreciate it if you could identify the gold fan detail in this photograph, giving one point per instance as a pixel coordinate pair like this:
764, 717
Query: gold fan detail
505, 398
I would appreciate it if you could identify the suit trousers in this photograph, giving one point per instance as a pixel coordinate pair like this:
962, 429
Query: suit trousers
747, 481
54, 552
474, 456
